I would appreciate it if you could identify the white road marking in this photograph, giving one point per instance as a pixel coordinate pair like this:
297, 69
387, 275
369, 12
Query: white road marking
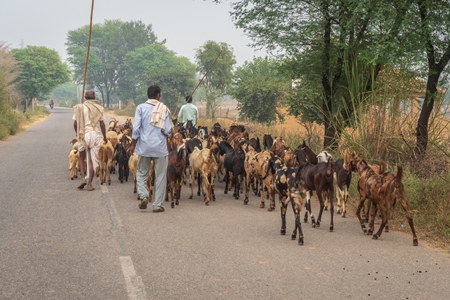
134, 284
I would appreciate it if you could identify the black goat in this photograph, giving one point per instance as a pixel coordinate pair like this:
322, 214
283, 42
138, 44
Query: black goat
234, 164
122, 158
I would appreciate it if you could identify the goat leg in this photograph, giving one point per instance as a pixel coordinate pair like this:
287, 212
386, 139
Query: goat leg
283, 215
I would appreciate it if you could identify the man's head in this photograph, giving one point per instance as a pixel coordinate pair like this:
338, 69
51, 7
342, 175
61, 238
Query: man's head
153, 91
188, 99
89, 95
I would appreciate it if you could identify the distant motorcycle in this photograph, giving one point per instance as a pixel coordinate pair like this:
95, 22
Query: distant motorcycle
51, 106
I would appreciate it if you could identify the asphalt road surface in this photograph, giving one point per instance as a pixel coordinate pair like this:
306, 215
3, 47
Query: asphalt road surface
57, 242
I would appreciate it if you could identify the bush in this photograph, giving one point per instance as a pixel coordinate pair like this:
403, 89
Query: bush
9, 123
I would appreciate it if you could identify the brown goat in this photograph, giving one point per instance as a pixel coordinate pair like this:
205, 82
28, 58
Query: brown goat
382, 189
203, 162
255, 165
175, 175
105, 161
73, 160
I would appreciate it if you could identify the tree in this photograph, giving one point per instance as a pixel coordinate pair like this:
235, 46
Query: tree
41, 71
219, 59
343, 33
155, 64
259, 89
9, 73
434, 27
110, 43
66, 91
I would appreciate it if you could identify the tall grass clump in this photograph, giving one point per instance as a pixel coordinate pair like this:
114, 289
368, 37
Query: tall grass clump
9, 72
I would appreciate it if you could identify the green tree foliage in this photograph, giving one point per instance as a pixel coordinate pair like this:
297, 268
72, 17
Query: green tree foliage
66, 91
219, 59
155, 64
110, 43
336, 34
259, 89
41, 71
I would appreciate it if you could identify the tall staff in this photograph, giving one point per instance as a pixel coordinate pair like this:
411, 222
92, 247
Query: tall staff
87, 53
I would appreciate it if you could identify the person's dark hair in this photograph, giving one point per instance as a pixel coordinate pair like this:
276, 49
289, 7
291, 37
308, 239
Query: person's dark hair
89, 95
153, 91
188, 99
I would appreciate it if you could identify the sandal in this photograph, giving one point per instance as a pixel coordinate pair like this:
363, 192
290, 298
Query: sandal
159, 209
143, 204
90, 188
82, 184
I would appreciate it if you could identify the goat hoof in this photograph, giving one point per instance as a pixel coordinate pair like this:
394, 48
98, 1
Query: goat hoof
331, 229
269, 209
375, 237
245, 201
293, 237
207, 203
225, 192
172, 205
190, 197
300, 242
283, 231
415, 242
262, 205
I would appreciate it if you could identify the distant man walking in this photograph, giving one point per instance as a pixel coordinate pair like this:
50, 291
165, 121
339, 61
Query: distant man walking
89, 128
189, 112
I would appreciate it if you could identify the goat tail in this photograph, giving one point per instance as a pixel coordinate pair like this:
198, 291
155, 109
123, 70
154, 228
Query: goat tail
399, 173
329, 171
269, 166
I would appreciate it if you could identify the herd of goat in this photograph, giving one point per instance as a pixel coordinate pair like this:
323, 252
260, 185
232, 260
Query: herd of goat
268, 167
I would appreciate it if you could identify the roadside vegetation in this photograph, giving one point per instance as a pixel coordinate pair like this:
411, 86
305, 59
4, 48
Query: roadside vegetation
368, 76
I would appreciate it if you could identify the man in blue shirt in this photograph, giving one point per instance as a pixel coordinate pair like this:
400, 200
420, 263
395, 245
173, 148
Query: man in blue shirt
151, 127
189, 112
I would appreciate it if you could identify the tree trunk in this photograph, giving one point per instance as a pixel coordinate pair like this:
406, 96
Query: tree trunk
424, 117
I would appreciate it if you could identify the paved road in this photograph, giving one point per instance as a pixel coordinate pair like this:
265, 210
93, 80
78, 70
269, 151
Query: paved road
57, 242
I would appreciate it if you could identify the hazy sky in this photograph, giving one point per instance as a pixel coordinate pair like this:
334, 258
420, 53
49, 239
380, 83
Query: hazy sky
185, 24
